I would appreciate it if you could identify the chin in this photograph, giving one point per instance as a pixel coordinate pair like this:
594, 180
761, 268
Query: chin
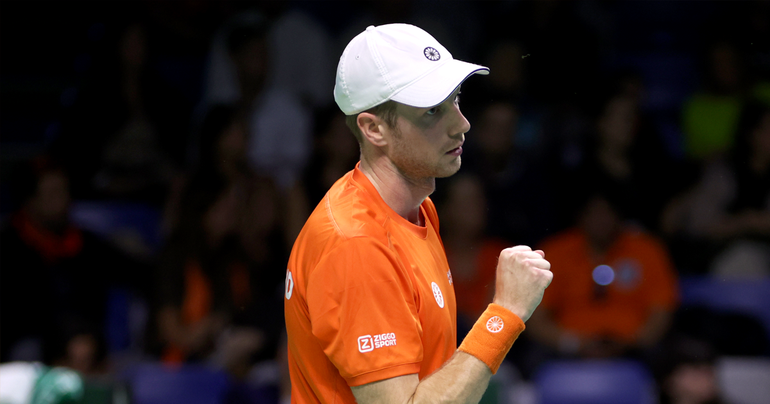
450, 170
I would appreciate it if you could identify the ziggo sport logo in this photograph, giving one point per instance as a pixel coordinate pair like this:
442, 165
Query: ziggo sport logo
368, 343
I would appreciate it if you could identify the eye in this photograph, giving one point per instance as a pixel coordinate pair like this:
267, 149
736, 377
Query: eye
432, 111
457, 99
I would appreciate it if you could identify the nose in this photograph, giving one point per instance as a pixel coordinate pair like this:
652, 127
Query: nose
460, 124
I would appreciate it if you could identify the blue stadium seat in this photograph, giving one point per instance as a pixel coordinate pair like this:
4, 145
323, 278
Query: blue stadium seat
109, 218
595, 382
188, 384
746, 296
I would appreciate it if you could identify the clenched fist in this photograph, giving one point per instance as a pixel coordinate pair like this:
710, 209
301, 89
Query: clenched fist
522, 276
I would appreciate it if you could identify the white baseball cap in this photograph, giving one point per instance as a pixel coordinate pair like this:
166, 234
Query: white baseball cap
398, 62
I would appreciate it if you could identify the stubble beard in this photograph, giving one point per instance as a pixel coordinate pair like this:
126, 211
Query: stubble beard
416, 168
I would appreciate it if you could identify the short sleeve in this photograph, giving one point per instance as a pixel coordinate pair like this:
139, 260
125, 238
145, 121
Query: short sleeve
363, 312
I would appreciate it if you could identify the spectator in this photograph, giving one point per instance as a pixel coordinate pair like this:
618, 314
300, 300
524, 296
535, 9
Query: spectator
710, 117
221, 270
55, 277
689, 374
614, 288
278, 124
626, 157
506, 168
335, 153
126, 126
471, 253
34, 383
730, 205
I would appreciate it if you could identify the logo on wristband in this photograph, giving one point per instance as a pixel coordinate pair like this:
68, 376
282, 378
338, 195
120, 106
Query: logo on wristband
495, 324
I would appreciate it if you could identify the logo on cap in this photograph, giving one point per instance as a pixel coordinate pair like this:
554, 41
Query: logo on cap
431, 54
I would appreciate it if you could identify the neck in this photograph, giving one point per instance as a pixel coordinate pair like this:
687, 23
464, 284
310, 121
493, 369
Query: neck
404, 195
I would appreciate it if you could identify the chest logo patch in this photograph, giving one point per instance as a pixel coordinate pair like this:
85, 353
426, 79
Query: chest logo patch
437, 294
495, 324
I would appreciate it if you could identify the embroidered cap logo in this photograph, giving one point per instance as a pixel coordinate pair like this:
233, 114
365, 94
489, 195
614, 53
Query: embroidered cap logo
431, 53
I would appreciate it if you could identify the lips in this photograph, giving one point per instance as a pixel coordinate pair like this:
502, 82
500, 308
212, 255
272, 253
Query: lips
459, 147
456, 151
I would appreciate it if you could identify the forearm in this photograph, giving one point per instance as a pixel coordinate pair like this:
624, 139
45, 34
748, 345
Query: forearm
463, 379
523, 274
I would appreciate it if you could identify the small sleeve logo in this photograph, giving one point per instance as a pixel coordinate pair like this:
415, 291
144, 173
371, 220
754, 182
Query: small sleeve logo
495, 324
365, 343
368, 343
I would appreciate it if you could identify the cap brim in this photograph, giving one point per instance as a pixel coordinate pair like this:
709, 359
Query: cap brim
435, 87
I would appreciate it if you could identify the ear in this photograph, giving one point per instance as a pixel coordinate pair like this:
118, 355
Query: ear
373, 129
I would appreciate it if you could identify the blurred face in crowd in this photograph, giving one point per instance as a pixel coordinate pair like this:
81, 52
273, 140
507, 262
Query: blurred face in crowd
725, 68
507, 63
251, 62
497, 128
465, 208
133, 47
50, 204
81, 353
231, 149
260, 214
425, 142
692, 383
618, 124
600, 222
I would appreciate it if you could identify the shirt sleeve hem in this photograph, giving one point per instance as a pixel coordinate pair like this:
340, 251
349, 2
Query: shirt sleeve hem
382, 374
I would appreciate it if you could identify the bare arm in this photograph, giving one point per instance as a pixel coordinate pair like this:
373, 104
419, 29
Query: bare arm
463, 379
522, 276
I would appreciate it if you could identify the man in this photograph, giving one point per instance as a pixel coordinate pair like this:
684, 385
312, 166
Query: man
370, 306
616, 292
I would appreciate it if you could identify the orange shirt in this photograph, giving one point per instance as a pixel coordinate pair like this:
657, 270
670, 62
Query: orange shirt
368, 295
644, 279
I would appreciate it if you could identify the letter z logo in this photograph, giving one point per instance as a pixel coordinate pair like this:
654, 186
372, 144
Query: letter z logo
365, 343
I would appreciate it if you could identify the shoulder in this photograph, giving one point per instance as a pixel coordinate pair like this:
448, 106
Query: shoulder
353, 212
344, 213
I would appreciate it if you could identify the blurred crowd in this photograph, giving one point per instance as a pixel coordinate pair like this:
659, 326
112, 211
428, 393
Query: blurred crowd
628, 140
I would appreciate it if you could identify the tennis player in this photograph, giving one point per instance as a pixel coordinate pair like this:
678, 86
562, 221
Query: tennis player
369, 304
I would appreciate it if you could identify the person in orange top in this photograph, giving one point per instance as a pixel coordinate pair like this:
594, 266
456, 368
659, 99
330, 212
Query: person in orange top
615, 291
369, 301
